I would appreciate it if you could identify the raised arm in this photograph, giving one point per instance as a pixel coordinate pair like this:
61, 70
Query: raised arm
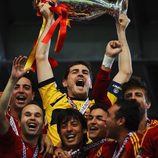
124, 61
17, 72
102, 81
44, 70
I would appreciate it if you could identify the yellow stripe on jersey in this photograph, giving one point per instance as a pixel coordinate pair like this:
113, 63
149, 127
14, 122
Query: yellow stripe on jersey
135, 142
112, 98
152, 125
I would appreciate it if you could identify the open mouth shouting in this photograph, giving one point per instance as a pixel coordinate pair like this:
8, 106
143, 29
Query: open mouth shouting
21, 99
80, 83
70, 137
32, 126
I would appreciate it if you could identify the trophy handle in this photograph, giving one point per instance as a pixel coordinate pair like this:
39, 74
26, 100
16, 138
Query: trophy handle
123, 6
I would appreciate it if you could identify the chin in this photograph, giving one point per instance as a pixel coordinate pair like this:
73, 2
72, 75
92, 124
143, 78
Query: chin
32, 133
20, 105
93, 137
82, 95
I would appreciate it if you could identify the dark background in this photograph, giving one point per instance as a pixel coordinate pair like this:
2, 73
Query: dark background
19, 27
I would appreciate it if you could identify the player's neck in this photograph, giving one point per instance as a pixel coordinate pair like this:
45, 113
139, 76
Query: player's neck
32, 141
77, 96
122, 135
14, 112
142, 124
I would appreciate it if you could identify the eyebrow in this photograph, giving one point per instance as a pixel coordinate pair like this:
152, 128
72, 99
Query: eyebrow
23, 85
74, 69
27, 85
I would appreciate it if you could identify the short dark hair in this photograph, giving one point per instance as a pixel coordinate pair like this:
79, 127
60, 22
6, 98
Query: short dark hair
99, 105
35, 103
30, 76
136, 82
67, 115
87, 64
130, 110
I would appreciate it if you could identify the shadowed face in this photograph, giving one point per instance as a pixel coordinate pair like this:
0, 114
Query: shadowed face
112, 123
139, 95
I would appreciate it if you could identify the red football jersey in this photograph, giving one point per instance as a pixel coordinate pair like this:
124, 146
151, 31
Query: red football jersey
150, 142
104, 150
11, 146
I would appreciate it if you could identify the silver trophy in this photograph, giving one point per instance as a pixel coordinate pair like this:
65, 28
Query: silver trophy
79, 10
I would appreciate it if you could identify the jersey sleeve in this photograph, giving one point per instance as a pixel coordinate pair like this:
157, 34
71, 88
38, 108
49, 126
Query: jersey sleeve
100, 86
49, 92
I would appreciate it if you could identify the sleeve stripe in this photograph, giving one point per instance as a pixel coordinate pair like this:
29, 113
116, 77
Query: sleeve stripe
43, 83
136, 143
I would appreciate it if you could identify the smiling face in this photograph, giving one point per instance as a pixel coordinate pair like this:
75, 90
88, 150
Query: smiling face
78, 81
22, 93
71, 133
96, 124
31, 121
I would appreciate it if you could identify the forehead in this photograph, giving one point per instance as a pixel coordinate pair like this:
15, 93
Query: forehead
78, 66
23, 81
70, 119
99, 111
32, 108
135, 90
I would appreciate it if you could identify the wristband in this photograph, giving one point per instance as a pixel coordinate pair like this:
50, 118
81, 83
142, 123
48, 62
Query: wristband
108, 61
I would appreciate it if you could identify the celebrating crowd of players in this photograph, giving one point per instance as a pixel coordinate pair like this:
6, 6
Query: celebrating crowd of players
114, 124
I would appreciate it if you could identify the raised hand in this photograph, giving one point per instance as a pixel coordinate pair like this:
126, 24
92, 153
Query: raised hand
113, 48
18, 67
44, 9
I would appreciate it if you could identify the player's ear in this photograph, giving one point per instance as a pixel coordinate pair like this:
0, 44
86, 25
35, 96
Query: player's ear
64, 82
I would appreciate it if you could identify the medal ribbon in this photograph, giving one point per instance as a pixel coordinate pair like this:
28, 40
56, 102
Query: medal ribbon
13, 125
117, 154
84, 106
35, 154
88, 147
148, 122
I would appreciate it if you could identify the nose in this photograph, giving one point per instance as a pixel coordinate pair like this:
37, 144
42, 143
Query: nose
133, 96
69, 127
32, 117
21, 89
80, 73
93, 121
